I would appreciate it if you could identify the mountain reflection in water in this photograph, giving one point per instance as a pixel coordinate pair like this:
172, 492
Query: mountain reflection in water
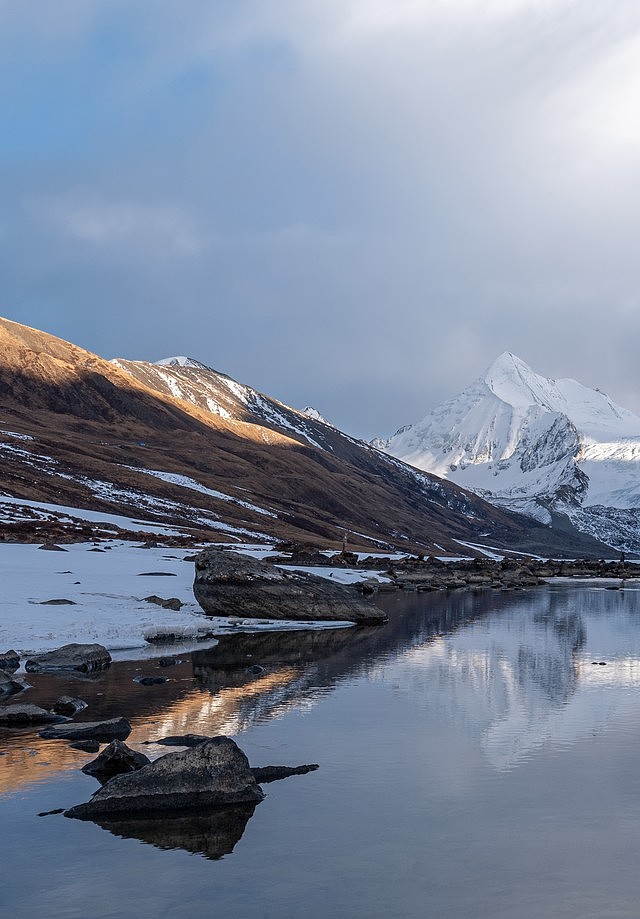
514, 671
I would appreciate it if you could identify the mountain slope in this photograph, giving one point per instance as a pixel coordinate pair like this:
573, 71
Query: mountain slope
538, 446
87, 447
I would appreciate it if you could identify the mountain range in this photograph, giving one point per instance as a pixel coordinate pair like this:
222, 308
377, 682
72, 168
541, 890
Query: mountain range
553, 450
179, 451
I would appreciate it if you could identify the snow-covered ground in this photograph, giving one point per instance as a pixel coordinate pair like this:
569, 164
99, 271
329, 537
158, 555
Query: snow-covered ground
107, 589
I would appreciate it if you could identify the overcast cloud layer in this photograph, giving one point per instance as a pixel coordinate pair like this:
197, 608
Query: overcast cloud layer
352, 203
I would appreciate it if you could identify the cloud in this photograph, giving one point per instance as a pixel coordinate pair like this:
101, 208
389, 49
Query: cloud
87, 218
354, 203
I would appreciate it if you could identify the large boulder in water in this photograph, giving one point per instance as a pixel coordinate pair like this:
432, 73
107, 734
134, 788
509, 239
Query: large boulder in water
84, 658
231, 584
213, 774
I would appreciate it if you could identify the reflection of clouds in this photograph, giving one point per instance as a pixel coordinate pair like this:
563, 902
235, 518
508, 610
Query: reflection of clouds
520, 680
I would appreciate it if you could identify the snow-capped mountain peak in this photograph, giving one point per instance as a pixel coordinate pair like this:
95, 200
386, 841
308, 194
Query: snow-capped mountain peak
313, 413
531, 443
513, 381
181, 361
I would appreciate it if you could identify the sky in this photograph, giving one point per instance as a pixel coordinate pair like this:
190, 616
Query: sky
353, 204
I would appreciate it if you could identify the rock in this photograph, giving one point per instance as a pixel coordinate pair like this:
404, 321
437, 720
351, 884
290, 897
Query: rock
213, 774
168, 661
61, 601
112, 729
157, 574
171, 603
9, 685
256, 670
158, 635
51, 547
85, 658
9, 661
68, 705
21, 715
181, 740
150, 680
231, 584
87, 746
116, 759
264, 774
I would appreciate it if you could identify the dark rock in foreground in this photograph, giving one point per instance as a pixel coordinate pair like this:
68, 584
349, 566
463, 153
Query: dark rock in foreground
213, 774
23, 715
230, 584
9, 661
113, 729
116, 759
260, 773
85, 658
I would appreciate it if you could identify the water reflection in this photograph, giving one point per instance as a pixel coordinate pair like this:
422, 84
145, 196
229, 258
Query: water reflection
525, 677
513, 671
212, 834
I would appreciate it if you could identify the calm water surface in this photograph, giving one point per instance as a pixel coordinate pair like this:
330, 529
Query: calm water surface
474, 762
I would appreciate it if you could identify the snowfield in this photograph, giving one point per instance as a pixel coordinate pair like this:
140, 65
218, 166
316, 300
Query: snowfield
107, 584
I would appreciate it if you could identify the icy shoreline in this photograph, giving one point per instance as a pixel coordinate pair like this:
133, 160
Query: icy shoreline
106, 584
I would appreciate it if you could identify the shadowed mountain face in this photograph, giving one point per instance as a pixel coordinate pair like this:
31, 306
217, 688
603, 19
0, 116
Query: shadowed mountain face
79, 431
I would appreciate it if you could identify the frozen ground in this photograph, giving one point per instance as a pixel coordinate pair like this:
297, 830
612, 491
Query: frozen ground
107, 589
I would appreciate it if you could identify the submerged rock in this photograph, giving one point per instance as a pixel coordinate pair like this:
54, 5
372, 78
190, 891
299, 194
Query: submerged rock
87, 746
116, 759
231, 584
181, 740
22, 715
265, 774
213, 774
85, 658
68, 705
112, 729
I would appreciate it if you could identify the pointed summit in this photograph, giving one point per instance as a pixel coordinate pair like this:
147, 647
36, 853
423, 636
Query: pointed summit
513, 381
507, 362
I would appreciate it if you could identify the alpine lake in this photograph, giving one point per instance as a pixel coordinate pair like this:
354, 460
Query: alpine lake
479, 756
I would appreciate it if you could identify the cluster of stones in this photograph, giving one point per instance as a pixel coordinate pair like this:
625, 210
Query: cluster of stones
73, 657
424, 574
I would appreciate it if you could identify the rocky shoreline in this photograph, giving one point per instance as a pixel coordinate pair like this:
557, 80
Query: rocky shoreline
426, 573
